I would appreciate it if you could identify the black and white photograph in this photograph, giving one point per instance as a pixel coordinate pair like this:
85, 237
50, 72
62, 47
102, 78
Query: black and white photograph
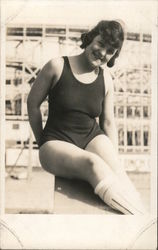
78, 128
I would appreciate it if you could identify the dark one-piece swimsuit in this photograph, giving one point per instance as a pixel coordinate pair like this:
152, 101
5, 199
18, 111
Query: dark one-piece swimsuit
73, 108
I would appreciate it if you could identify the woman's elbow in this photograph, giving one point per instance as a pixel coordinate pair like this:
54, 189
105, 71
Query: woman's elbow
104, 124
109, 123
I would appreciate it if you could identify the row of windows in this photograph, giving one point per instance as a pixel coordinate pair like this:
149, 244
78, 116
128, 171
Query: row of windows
119, 111
18, 81
131, 138
132, 111
136, 90
13, 110
134, 138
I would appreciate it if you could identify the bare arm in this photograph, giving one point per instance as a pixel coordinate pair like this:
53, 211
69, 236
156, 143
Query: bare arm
37, 95
107, 121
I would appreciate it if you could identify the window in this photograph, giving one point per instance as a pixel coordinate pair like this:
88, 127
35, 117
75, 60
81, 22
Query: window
137, 111
121, 111
121, 137
146, 137
18, 107
120, 89
137, 138
115, 111
129, 111
17, 81
137, 91
15, 126
8, 82
146, 91
8, 107
129, 90
129, 138
145, 111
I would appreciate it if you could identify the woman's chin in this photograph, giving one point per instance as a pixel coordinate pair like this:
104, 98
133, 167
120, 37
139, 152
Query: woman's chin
96, 63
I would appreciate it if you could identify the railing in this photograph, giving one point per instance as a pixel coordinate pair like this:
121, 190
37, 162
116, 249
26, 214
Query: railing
63, 30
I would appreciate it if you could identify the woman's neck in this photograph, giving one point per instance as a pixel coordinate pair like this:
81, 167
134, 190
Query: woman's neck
81, 64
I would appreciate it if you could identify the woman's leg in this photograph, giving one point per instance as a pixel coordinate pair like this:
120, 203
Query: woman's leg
66, 160
102, 146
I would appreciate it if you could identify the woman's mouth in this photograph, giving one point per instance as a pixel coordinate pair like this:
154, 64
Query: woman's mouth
98, 58
98, 61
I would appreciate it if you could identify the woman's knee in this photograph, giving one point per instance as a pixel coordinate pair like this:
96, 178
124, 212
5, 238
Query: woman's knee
102, 146
95, 166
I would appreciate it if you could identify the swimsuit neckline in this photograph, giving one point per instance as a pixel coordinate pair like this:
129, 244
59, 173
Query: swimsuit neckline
82, 83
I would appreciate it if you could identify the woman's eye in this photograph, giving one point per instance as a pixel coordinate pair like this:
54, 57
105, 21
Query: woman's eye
110, 51
101, 44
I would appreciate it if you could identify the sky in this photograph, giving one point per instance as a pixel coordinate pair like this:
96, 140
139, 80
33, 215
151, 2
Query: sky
138, 15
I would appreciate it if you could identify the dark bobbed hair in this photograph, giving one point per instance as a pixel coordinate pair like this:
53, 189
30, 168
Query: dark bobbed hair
112, 33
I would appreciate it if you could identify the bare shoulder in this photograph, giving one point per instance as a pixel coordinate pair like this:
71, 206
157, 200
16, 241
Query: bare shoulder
54, 66
56, 62
109, 85
53, 70
46, 79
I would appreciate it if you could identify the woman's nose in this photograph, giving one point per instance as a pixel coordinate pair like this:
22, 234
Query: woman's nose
102, 53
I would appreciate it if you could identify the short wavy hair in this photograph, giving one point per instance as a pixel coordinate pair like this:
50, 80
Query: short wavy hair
112, 33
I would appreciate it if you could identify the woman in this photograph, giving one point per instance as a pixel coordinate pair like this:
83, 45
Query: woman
73, 144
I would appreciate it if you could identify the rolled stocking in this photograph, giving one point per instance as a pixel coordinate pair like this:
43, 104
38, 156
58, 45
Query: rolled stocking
113, 193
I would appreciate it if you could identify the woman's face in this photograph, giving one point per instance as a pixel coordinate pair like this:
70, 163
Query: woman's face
98, 53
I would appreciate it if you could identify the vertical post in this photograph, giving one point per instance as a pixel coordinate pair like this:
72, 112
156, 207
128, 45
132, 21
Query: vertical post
29, 169
154, 118
125, 112
67, 38
23, 75
42, 45
2, 110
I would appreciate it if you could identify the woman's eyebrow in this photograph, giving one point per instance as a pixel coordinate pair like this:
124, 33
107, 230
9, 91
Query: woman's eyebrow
111, 50
103, 41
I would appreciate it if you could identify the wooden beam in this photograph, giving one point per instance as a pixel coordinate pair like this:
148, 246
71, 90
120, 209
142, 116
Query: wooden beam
154, 121
2, 111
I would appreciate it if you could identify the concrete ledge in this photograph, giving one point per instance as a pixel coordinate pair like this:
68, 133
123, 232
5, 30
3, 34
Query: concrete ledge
77, 197
30, 196
41, 195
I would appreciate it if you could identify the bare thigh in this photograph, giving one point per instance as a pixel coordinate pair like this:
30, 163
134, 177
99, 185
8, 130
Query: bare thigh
102, 146
67, 160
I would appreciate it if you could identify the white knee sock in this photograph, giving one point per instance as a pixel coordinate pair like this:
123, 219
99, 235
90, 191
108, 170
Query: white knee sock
114, 194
